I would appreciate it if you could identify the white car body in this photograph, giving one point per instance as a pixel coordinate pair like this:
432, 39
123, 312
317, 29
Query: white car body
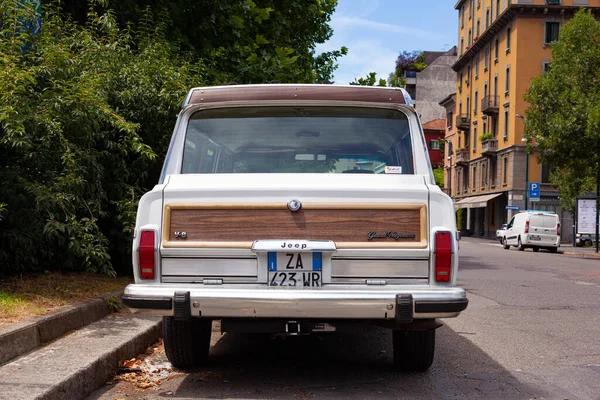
533, 229
386, 279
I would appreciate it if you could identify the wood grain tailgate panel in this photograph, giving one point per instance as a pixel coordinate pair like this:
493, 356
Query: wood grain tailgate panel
346, 227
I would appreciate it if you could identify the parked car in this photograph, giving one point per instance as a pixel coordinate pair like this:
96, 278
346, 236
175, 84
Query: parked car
297, 209
500, 233
582, 239
533, 229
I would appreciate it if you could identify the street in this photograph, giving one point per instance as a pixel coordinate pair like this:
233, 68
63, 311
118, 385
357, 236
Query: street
530, 331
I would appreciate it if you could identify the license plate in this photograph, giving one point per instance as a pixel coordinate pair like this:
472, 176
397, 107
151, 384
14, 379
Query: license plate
535, 237
295, 269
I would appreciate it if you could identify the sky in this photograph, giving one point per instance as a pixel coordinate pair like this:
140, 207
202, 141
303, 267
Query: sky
376, 31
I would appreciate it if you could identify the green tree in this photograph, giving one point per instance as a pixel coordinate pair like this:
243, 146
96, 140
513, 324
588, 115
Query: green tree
243, 41
81, 109
369, 80
563, 121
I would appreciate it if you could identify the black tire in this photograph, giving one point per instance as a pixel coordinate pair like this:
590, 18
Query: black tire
520, 245
413, 351
505, 245
553, 249
187, 342
536, 249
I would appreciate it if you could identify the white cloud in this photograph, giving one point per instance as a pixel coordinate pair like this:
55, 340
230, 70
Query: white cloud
365, 56
342, 22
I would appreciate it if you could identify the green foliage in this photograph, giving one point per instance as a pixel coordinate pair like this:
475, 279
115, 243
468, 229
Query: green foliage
82, 108
486, 136
438, 174
563, 122
369, 80
459, 218
88, 104
243, 41
114, 304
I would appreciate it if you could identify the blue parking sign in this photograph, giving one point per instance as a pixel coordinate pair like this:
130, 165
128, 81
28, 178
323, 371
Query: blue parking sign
534, 191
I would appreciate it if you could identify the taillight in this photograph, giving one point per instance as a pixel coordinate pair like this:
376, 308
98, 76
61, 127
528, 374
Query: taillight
558, 229
526, 226
443, 256
146, 255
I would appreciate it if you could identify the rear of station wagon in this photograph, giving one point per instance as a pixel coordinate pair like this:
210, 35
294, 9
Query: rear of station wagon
297, 209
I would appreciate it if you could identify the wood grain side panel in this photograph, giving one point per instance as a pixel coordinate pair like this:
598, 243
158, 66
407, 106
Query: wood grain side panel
346, 227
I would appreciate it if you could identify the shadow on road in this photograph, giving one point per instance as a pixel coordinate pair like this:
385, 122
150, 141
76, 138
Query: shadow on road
335, 366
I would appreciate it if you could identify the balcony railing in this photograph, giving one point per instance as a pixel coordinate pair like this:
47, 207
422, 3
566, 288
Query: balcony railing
489, 147
462, 157
463, 122
490, 105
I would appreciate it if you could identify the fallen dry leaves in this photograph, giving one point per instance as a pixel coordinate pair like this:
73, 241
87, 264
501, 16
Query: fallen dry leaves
145, 371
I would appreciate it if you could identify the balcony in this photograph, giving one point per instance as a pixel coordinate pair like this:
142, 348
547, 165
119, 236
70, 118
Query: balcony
462, 157
463, 122
489, 147
490, 105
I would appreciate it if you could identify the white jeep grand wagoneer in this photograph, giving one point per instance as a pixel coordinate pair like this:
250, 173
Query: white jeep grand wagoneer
297, 209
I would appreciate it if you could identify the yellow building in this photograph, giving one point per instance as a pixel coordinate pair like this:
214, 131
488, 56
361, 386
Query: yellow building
502, 45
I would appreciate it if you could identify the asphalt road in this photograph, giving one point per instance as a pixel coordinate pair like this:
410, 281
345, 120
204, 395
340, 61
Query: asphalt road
531, 331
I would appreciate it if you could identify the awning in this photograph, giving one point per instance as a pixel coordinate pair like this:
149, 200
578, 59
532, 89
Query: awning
475, 201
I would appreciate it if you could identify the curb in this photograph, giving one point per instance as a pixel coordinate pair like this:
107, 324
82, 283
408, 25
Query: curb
79, 363
581, 255
95, 375
22, 337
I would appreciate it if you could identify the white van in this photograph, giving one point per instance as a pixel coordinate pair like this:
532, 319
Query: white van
533, 229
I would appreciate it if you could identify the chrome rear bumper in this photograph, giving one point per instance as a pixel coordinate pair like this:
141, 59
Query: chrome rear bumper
325, 303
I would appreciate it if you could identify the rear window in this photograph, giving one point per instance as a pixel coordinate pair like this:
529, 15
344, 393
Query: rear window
298, 140
543, 221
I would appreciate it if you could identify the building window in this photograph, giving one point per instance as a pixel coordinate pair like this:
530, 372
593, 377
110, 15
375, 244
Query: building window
504, 170
465, 179
492, 172
470, 42
474, 178
497, 8
506, 123
434, 145
483, 175
449, 121
475, 139
462, 46
468, 75
459, 142
551, 32
468, 107
507, 83
486, 57
545, 66
460, 83
477, 66
476, 102
545, 178
485, 89
462, 17
478, 29
484, 126
496, 46
487, 18
508, 39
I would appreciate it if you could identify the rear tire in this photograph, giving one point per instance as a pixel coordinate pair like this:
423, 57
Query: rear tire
413, 350
536, 249
187, 342
505, 245
520, 246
